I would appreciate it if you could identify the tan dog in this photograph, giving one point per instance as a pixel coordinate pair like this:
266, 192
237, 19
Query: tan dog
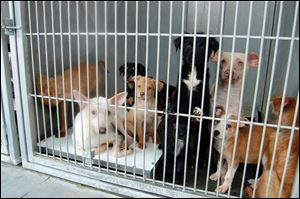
241, 147
140, 83
236, 81
281, 155
67, 81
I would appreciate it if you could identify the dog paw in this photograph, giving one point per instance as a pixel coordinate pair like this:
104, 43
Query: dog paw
213, 177
197, 112
251, 182
222, 189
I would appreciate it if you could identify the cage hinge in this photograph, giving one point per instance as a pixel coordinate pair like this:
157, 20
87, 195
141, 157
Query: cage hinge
9, 27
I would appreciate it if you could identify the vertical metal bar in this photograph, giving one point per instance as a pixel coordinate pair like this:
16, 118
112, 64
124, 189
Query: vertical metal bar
47, 71
125, 83
63, 78
295, 189
88, 78
289, 147
55, 75
135, 87
167, 91
179, 88
79, 78
33, 75
97, 79
116, 79
284, 92
255, 93
106, 94
71, 78
40, 70
241, 97
269, 97
229, 88
191, 93
156, 87
215, 98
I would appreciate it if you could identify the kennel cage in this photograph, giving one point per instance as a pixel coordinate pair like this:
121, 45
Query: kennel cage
49, 37
10, 151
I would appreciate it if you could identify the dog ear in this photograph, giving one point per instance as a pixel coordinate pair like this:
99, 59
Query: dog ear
135, 78
177, 43
80, 97
160, 85
252, 59
118, 99
276, 103
243, 124
220, 111
214, 49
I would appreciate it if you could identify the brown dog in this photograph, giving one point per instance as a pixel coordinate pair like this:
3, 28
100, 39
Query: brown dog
140, 83
281, 155
42, 80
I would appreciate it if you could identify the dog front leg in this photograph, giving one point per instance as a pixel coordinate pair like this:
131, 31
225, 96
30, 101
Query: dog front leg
140, 135
116, 151
228, 178
214, 176
62, 120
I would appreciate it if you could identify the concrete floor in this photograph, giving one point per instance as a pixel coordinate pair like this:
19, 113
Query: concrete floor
17, 182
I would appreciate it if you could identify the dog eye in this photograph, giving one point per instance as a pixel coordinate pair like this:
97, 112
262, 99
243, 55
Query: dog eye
139, 86
228, 126
149, 88
240, 63
108, 112
223, 61
93, 112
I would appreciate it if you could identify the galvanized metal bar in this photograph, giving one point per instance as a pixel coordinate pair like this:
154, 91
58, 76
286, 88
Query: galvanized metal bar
255, 94
135, 87
146, 88
179, 89
71, 79
178, 35
167, 90
214, 105
116, 78
125, 83
269, 97
47, 72
241, 98
33, 75
228, 93
191, 94
289, 148
40, 72
284, 93
156, 87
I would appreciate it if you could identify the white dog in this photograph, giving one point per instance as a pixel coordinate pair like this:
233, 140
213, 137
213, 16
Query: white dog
90, 128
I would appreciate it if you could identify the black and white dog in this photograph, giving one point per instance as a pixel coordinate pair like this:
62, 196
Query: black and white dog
189, 83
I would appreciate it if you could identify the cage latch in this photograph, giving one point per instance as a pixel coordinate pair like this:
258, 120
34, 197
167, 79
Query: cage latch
9, 27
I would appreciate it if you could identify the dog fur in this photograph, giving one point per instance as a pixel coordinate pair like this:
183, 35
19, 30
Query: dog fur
140, 103
42, 87
90, 129
236, 80
186, 88
280, 156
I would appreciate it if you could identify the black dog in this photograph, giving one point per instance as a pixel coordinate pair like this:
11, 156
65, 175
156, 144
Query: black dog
161, 101
185, 90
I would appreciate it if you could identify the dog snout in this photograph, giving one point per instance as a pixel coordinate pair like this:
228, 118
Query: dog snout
102, 130
216, 132
142, 94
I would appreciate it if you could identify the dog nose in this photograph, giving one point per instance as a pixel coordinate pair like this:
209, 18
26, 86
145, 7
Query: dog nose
216, 132
102, 130
142, 93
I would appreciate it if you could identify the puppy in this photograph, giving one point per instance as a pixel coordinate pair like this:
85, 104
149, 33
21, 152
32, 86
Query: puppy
236, 80
241, 147
161, 101
42, 87
280, 156
90, 128
140, 82
186, 87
